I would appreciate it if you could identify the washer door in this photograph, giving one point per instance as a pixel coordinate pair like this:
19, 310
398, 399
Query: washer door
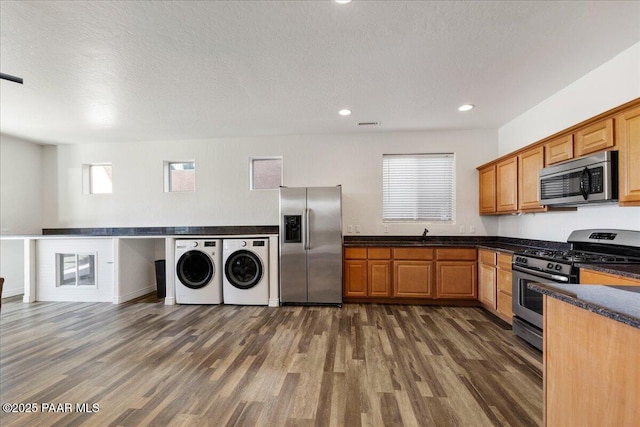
243, 269
195, 269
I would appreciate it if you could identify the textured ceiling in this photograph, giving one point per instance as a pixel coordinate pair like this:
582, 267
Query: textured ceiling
104, 71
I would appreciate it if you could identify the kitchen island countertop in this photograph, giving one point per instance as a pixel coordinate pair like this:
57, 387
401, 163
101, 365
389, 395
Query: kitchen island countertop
620, 303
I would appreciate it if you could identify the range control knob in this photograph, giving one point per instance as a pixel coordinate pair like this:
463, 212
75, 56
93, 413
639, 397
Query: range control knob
550, 266
558, 267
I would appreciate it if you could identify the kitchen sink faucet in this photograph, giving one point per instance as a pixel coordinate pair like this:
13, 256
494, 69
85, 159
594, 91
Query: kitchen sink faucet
424, 235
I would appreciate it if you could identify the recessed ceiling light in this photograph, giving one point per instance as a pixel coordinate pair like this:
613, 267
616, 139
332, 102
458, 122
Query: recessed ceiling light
466, 107
344, 112
342, 1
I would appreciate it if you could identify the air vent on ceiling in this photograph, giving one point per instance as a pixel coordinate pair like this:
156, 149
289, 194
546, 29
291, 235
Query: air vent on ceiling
368, 123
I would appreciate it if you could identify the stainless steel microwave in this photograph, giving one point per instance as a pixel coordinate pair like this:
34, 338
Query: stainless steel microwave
591, 179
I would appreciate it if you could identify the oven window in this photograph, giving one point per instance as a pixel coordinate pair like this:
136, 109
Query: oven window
530, 299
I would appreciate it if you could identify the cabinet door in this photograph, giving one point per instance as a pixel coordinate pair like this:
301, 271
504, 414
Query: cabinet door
529, 164
628, 140
413, 279
487, 285
504, 300
596, 137
558, 150
487, 177
379, 283
456, 279
355, 278
507, 185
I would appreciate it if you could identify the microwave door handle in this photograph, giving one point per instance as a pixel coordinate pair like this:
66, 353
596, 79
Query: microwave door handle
585, 183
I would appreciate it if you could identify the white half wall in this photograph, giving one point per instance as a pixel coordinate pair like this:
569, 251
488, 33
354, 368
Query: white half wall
223, 197
613, 83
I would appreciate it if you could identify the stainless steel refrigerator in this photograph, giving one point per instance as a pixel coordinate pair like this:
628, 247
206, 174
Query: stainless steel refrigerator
311, 245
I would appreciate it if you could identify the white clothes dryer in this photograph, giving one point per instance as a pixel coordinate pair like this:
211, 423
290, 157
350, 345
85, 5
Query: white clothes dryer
246, 271
198, 271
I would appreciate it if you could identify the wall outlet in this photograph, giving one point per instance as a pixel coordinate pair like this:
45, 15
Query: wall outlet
357, 229
349, 228
462, 229
472, 229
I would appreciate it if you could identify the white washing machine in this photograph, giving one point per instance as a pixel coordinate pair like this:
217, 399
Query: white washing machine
198, 271
246, 271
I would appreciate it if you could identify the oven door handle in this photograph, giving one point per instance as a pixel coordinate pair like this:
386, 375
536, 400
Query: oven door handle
542, 274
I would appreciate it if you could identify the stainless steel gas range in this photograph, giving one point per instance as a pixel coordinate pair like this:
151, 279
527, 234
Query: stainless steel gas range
598, 246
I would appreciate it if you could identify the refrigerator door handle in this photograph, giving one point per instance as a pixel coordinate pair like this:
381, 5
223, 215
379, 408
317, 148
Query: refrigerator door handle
307, 233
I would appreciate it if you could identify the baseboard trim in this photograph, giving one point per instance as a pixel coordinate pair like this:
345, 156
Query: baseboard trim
170, 301
6, 293
133, 295
274, 302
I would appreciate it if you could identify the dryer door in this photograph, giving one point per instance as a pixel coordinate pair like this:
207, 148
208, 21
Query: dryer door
243, 269
195, 269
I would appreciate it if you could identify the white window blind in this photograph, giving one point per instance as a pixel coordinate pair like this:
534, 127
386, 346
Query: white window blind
418, 187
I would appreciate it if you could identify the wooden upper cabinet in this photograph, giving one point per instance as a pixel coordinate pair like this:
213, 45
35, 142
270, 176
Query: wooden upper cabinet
529, 164
558, 150
596, 137
628, 141
488, 190
507, 185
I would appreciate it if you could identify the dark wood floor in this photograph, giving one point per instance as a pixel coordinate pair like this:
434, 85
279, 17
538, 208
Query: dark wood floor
145, 363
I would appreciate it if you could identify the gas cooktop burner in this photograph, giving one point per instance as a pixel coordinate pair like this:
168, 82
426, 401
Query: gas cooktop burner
577, 256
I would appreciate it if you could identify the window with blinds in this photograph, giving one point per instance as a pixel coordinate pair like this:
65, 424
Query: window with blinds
418, 187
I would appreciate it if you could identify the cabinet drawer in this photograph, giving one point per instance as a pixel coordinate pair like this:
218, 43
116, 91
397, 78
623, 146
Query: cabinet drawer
413, 253
462, 254
487, 257
379, 253
504, 261
355, 253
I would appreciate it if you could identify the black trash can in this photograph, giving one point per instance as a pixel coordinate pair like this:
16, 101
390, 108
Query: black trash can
161, 282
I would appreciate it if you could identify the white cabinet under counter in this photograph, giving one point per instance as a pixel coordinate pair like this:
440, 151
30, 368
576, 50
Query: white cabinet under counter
75, 270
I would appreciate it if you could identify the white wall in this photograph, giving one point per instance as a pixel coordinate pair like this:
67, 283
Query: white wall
20, 186
612, 84
222, 194
20, 205
12, 267
135, 275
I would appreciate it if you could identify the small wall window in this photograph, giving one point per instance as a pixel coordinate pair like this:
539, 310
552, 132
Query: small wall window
266, 173
418, 187
75, 270
179, 176
97, 178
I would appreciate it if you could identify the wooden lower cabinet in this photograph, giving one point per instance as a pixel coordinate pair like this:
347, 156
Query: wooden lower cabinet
379, 278
413, 279
355, 278
423, 273
591, 369
504, 278
456, 279
487, 282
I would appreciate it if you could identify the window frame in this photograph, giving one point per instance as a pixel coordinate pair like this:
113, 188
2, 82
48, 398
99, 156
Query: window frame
76, 284
421, 187
167, 175
252, 174
88, 180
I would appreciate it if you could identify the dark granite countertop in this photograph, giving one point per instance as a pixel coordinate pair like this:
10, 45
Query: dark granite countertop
163, 231
631, 271
501, 244
620, 303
